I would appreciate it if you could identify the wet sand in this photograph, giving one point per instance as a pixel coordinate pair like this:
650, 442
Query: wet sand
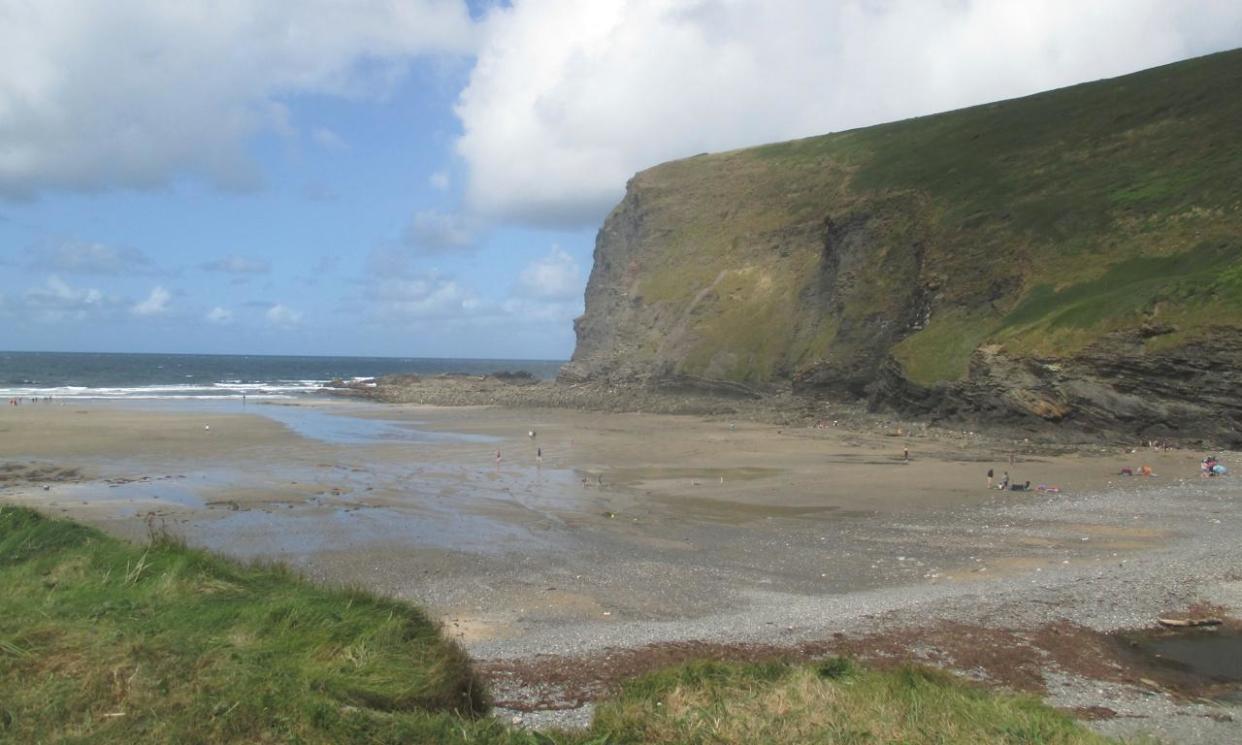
668, 517
635, 529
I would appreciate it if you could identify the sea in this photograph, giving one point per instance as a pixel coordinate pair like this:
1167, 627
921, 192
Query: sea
212, 376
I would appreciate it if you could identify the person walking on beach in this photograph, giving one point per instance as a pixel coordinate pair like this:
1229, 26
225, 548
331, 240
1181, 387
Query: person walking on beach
990, 478
539, 456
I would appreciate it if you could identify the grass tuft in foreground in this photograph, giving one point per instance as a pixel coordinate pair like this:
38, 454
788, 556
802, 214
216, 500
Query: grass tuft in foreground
104, 641
831, 702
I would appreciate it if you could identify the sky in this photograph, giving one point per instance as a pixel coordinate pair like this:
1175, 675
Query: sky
426, 177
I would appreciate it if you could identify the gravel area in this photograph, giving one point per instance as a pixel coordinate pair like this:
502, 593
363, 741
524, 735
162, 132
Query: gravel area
1076, 577
1099, 589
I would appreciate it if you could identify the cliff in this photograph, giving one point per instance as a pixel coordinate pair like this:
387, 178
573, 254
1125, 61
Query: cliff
1071, 257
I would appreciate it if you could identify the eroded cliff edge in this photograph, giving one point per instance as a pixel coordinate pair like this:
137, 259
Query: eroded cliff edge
1072, 258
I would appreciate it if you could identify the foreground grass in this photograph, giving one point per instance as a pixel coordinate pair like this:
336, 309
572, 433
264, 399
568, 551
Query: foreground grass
103, 641
832, 702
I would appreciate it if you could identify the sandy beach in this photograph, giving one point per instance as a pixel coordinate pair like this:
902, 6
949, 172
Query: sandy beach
637, 533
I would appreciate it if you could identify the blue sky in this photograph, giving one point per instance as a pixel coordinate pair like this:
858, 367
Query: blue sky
425, 177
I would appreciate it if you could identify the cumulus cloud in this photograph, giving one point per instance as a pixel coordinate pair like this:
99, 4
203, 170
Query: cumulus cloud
237, 265
328, 140
553, 277
219, 315
568, 99
282, 316
543, 312
100, 94
77, 257
56, 300
155, 304
426, 297
433, 231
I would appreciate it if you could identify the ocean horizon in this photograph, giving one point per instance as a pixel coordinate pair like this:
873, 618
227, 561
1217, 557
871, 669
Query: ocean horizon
139, 375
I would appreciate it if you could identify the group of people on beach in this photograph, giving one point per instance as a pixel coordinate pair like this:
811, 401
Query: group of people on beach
538, 450
1209, 467
32, 399
1005, 484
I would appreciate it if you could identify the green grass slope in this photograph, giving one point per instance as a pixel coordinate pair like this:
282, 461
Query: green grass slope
103, 641
1040, 224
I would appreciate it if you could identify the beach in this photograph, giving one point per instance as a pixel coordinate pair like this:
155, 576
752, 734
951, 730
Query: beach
639, 538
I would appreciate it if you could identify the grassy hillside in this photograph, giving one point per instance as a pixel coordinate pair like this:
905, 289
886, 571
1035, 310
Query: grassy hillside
1039, 225
103, 641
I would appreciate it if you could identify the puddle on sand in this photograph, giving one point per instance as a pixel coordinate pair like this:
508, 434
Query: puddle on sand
268, 532
331, 424
1204, 661
129, 498
343, 429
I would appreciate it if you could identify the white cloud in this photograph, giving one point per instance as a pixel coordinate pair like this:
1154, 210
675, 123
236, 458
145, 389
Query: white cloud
100, 94
432, 231
219, 315
439, 180
554, 277
426, 297
237, 265
56, 301
77, 257
568, 99
283, 316
543, 312
155, 304
328, 140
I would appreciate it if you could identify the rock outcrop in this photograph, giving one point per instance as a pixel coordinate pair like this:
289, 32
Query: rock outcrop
1187, 393
1072, 258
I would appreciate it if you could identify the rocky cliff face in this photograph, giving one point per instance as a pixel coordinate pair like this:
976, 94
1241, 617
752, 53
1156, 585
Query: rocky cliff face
1190, 393
1071, 258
